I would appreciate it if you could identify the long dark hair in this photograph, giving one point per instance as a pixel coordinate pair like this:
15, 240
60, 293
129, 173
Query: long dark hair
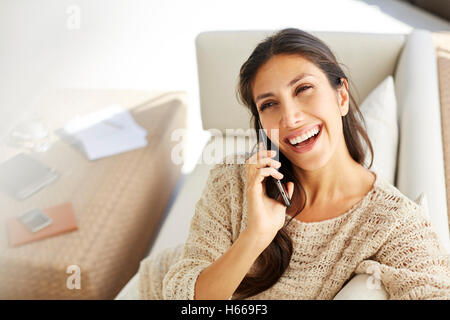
274, 260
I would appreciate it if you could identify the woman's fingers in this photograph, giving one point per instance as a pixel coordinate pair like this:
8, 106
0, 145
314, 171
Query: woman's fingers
263, 151
269, 171
262, 163
261, 154
263, 157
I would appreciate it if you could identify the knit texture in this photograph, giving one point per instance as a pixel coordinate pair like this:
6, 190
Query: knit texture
385, 234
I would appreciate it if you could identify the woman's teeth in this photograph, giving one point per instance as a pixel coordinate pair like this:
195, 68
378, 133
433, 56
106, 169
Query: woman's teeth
305, 136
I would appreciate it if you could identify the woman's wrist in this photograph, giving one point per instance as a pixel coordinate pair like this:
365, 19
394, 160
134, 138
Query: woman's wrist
255, 241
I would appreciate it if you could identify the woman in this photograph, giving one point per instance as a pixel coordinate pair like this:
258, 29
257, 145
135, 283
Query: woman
343, 218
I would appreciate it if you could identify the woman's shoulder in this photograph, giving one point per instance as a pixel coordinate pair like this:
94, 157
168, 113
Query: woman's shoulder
226, 179
231, 169
226, 187
407, 219
393, 202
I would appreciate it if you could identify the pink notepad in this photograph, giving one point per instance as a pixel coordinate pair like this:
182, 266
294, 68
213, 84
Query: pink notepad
63, 221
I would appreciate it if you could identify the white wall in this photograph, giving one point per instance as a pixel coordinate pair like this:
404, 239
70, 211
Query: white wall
149, 44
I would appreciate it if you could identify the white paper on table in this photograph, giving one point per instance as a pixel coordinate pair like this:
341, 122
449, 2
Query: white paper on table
100, 148
109, 131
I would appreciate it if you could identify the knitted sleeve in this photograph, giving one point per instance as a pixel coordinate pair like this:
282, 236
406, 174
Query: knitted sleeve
209, 235
412, 264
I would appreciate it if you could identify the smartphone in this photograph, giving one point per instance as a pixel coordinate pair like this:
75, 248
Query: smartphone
22, 176
277, 182
35, 220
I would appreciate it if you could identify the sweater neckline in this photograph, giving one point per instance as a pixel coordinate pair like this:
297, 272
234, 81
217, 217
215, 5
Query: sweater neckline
358, 205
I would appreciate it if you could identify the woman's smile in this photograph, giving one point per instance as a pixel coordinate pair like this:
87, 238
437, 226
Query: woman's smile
307, 141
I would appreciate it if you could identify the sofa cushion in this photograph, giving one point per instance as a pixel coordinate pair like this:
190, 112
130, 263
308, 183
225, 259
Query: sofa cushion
363, 287
423, 202
379, 110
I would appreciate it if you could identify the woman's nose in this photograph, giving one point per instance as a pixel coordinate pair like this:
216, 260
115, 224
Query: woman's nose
291, 117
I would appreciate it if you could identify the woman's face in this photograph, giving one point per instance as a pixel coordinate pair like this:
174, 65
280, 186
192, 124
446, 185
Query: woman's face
294, 96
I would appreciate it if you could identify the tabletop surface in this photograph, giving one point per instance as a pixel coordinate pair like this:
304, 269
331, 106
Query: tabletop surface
105, 193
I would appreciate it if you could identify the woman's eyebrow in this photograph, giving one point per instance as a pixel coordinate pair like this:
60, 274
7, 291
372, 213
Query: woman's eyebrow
290, 84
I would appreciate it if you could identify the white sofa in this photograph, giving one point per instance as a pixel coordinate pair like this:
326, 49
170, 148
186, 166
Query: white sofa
369, 58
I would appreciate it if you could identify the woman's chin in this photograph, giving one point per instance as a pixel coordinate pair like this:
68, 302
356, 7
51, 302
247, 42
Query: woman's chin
310, 163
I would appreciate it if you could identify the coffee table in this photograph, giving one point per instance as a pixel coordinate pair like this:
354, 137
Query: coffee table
118, 201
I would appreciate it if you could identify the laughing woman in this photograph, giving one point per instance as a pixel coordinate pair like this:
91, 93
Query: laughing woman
344, 219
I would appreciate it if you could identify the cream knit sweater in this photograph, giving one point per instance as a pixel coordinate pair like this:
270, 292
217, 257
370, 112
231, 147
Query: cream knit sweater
384, 234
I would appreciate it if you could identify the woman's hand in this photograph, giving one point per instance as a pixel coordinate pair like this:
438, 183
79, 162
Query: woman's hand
265, 215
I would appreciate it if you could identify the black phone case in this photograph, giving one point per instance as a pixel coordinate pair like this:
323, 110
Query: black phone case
272, 180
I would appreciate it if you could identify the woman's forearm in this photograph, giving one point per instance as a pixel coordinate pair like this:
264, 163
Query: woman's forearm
221, 279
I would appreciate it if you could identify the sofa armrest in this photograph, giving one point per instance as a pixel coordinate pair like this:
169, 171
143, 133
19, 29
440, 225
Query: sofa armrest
358, 288
421, 160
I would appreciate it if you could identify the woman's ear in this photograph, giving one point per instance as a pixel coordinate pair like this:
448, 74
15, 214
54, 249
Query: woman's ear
343, 97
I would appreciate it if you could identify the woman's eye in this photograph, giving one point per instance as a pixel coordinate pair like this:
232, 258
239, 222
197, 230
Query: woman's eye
302, 88
265, 105
269, 104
